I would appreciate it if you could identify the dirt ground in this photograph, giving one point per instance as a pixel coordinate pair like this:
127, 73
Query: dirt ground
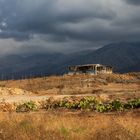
122, 86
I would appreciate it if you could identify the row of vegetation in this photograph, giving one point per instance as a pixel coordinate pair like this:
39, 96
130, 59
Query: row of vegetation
84, 103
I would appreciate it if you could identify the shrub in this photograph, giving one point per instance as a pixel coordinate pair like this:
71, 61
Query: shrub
26, 107
87, 103
101, 108
117, 105
132, 104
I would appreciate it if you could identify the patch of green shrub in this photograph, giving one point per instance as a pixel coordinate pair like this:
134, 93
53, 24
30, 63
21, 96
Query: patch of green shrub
26, 107
100, 108
87, 103
117, 105
132, 104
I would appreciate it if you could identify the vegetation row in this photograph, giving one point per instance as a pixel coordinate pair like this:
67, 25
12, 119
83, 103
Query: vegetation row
84, 103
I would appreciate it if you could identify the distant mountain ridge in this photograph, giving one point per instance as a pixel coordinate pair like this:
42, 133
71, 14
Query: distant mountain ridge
121, 56
124, 57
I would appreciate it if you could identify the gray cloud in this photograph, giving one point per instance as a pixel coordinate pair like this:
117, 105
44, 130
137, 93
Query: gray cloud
68, 25
135, 2
20, 15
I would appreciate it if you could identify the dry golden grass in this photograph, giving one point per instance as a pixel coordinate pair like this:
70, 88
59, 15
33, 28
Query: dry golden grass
70, 126
65, 125
78, 84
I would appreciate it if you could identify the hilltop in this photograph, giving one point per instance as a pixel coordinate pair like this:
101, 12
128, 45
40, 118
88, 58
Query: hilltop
110, 86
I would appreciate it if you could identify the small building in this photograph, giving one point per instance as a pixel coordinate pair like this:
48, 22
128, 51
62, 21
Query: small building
90, 69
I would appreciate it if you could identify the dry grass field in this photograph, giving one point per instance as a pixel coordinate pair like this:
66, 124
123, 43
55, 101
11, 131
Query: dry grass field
114, 86
65, 124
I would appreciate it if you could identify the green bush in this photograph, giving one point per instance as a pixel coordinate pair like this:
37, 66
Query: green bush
26, 107
117, 105
100, 108
132, 104
69, 103
87, 103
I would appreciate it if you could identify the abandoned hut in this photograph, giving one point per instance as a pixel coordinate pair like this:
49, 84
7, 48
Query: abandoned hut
90, 69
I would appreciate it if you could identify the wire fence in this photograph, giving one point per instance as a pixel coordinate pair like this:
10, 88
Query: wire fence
20, 76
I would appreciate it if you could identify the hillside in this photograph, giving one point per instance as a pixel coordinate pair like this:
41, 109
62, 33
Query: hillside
74, 85
124, 57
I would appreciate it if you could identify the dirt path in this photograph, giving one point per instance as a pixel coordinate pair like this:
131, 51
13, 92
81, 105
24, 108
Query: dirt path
24, 98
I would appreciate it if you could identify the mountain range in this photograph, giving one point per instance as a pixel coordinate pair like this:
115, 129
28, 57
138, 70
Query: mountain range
123, 56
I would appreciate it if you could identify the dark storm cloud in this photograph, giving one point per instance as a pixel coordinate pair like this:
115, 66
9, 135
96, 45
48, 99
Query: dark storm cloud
45, 16
18, 36
135, 2
62, 24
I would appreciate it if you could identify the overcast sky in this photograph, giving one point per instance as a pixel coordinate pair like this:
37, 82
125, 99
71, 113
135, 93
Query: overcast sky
66, 25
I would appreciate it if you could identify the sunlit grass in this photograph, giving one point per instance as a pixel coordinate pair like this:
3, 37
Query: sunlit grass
64, 125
